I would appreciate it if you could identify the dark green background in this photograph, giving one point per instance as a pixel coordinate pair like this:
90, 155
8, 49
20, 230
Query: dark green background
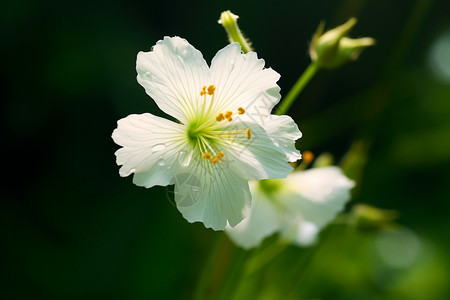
71, 228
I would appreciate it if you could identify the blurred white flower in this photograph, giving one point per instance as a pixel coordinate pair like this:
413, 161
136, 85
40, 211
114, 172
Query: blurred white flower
297, 207
223, 136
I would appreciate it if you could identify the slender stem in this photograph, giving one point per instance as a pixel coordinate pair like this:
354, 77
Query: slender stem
264, 257
214, 270
233, 277
248, 275
300, 270
236, 36
298, 87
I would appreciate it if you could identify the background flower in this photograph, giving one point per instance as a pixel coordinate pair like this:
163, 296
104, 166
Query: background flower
296, 207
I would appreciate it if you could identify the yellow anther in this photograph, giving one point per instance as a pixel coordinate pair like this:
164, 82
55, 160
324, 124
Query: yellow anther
230, 119
218, 157
203, 91
206, 155
228, 114
249, 133
241, 111
307, 156
220, 117
211, 89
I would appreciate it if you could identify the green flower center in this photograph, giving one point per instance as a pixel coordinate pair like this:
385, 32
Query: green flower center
208, 133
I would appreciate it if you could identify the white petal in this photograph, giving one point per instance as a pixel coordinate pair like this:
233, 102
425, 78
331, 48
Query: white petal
173, 74
266, 154
301, 233
212, 194
242, 81
318, 194
263, 221
151, 147
284, 132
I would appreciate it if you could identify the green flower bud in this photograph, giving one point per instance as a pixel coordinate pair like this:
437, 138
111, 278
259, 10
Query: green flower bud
333, 48
368, 218
229, 21
324, 160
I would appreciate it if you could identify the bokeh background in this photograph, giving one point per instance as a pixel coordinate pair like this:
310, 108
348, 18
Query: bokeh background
71, 228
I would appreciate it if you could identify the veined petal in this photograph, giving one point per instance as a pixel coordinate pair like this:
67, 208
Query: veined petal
173, 74
264, 220
242, 81
318, 194
150, 148
266, 154
283, 132
212, 194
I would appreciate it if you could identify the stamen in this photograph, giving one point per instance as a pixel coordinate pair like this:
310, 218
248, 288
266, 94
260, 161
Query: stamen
228, 114
220, 117
203, 91
218, 157
205, 144
307, 156
208, 132
211, 89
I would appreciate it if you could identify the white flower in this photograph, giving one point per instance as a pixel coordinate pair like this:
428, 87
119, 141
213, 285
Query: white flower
297, 207
223, 136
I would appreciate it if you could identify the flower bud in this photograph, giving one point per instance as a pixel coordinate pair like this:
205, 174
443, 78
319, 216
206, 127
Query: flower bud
229, 21
333, 48
368, 218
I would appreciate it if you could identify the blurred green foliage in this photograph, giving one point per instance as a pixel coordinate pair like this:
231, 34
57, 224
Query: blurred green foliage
71, 228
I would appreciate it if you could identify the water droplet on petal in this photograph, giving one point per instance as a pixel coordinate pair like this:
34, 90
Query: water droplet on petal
159, 147
161, 162
148, 75
184, 158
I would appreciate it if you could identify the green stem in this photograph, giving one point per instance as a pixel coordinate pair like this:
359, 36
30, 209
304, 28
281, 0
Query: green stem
298, 87
236, 36
300, 270
244, 282
214, 270
233, 277
262, 258
229, 22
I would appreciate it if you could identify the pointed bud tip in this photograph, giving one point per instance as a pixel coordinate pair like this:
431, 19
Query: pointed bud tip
333, 48
227, 17
229, 21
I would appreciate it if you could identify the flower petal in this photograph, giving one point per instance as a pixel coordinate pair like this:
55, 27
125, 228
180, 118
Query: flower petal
301, 233
212, 194
284, 132
151, 148
318, 194
266, 154
263, 221
242, 81
173, 74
